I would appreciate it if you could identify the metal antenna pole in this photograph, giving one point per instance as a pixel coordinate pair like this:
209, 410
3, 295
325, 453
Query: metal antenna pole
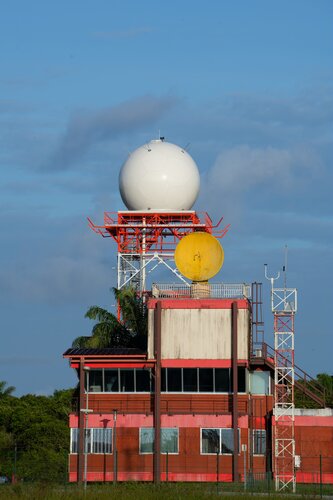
271, 279
285, 265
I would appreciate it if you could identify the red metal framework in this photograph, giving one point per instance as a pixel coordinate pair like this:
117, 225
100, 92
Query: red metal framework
148, 232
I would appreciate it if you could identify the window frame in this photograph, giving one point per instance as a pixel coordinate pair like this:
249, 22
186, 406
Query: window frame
214, 391
89, 445
262, 432
103, 389
162, 452
220, 429
269, 384
75, 430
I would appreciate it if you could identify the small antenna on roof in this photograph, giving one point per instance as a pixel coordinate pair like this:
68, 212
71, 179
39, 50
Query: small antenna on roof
285, 265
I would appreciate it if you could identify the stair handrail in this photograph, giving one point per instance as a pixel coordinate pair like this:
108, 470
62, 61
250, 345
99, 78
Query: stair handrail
269, 352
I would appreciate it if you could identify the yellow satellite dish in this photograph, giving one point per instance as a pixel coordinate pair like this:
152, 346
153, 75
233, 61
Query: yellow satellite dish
199, 256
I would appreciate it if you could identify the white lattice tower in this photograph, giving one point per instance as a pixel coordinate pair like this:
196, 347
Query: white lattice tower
284, 306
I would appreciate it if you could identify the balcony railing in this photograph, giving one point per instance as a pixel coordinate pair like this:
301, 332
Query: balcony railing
202, 290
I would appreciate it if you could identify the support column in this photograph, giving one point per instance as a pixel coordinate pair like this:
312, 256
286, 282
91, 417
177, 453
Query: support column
80, 461
234, 313
157, 398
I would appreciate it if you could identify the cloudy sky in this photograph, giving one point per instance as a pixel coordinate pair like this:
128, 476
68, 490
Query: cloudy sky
248, 84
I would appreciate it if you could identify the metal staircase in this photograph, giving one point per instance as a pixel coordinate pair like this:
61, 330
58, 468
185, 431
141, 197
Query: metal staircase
264, 355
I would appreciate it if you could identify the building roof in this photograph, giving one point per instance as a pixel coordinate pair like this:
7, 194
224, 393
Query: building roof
107, 351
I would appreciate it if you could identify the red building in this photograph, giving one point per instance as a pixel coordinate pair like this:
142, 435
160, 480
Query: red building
172, 413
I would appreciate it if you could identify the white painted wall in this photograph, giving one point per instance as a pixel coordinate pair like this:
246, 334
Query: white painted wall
199, 333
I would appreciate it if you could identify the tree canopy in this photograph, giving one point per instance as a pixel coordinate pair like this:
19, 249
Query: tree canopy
34, 436
108, 331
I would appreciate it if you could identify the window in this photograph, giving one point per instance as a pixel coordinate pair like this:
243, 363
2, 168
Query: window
222, 379
201, 380
218, 441
146, 440
126, 380
120, 380
95, 378
74, 447
174, 380
241, 379
111, 380
210, 440
190, 380
169, 440
259, 442
206, 380
260, 382
101, 441
87, 441
163, 379
142, 380
97, 440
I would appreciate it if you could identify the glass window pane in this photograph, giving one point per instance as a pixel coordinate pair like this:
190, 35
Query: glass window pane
146, 440
222, 379
95, 378
163, 379
210, 440
74, 440
126, 380
169, 440
87, 440
190, 379
102, 440
259, 442
142, 380
259, 382
241, 379
174, 380
227, 441
111, 380
206, 379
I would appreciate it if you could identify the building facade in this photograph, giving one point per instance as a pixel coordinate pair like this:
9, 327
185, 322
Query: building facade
197, 406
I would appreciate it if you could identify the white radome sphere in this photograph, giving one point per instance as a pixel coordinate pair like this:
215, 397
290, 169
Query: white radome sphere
159, 176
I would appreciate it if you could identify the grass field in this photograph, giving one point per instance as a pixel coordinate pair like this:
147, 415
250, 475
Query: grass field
123, 491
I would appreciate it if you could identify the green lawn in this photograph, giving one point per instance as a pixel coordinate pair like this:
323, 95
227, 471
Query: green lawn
137, 491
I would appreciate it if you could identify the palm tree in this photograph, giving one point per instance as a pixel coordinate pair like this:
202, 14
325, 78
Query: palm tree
131, 331
6, 391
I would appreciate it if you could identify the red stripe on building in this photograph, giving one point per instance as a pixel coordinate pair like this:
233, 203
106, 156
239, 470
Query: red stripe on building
200, 363
181, 421
198, 303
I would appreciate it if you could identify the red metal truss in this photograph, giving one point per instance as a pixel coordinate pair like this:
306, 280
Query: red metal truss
148, 232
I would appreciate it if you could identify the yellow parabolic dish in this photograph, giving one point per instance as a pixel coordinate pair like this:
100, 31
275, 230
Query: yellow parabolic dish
199, 256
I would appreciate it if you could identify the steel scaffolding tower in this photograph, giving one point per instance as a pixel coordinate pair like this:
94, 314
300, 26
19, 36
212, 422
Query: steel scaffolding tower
284, 307
148, 239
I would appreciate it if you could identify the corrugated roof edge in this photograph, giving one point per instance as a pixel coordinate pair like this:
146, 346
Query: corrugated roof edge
109, 351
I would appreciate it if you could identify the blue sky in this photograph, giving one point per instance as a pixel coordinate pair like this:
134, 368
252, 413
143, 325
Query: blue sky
247, 84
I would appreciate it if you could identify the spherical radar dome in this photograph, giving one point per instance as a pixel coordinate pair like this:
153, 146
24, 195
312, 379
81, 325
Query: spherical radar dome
159, 176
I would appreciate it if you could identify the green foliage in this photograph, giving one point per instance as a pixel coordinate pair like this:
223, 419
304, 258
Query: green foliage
6, 391
34, 436
323, 383
131, 331
326, 381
